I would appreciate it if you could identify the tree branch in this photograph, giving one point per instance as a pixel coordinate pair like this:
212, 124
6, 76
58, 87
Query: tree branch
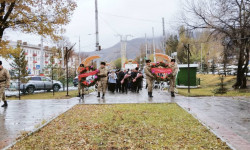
12, 5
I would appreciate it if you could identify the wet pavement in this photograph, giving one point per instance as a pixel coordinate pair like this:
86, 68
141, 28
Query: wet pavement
229, 118
25, 115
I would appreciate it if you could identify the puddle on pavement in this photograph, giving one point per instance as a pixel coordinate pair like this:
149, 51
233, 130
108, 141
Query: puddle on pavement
245, 119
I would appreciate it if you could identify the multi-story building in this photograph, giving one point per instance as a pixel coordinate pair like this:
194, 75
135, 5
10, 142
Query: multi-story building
35, 59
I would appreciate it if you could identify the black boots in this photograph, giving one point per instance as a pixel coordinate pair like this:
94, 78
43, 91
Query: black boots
5, 104
79, 95
82, 96
172, 94
98, 94
150, 94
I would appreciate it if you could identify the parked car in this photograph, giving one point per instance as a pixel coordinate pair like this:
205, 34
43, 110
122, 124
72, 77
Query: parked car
75, 81
39, 83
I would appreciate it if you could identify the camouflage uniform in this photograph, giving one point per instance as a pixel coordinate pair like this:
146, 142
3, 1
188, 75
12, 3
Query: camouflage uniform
102, 83
80, 90
174, 68
4, 82
149, 79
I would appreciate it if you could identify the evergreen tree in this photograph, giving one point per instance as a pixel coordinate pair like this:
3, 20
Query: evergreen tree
19, 64
183, 39
172, 44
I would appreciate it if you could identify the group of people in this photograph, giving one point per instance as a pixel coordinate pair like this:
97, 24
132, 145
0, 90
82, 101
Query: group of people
123, 81
119, 81
150, 78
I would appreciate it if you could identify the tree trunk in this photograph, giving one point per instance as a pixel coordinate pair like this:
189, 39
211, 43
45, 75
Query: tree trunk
241, 78
1, 34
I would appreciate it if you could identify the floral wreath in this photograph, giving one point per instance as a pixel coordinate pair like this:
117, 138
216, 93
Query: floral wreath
161, 71
84, 73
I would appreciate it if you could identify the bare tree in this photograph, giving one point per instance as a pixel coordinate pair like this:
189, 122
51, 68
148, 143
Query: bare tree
231, 18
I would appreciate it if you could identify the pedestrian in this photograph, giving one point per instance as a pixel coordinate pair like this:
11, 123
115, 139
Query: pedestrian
124, 82
149, 78
175, 69
133, 79
80, 87
112, 80
4, 83
139, 80
102, 83
120, 76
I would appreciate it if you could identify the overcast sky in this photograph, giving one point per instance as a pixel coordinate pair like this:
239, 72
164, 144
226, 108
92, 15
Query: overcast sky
134, 17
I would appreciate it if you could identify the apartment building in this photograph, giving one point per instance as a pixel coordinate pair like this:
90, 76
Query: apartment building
35, 58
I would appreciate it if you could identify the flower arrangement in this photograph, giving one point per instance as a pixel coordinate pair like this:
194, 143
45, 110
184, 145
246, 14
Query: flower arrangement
161, 71
86, 72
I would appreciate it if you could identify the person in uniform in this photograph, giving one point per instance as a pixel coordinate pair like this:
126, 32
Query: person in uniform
80, 87
4, 83
102, 83
149, 78
174, 68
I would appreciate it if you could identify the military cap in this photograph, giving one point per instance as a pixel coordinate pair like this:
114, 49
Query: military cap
173, 60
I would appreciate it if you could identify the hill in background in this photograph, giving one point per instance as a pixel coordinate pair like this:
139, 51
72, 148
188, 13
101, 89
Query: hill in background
133, 49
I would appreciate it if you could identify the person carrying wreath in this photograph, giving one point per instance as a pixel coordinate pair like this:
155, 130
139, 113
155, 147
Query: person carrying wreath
149, 78
175, 69
102, 83
80, 87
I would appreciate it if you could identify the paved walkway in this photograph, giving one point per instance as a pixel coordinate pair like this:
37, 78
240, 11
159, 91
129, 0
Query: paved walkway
228, 118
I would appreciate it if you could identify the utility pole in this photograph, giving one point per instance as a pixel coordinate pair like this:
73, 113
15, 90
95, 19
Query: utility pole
201, 59
79, 58
67, 70
164, 36
154, 44
66, 57
188, 55
96, 26
42, 56
41, 48
98, 48
123, 48
146, 46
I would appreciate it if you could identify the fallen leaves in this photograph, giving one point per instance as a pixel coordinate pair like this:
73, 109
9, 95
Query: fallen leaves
126, 126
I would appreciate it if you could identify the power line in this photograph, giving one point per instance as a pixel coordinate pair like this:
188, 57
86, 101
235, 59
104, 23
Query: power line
113, 29
131, 18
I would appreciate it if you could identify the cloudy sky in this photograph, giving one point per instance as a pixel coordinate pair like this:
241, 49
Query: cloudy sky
134, 17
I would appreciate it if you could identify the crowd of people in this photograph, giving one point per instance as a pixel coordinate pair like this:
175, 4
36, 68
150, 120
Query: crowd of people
120, 81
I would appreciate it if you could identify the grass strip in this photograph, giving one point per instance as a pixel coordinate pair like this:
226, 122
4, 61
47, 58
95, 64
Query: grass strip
125, 126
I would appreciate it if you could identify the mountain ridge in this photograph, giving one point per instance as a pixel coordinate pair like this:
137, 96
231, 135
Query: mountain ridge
133, 49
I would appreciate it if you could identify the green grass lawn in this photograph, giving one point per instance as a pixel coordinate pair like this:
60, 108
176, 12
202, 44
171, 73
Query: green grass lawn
46, 95
126, 126
209, 83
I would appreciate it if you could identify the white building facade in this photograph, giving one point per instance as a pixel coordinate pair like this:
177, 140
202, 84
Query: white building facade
33, 55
